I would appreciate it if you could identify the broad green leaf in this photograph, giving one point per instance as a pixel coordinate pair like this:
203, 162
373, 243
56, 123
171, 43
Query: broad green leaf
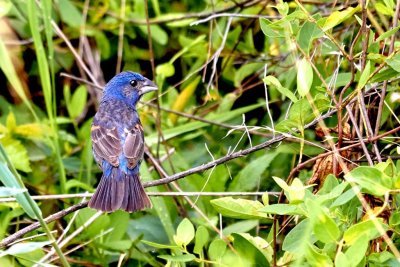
78, 102
365, 228
248, 249
272, 30
308, 32
356, 252
294, 192
304, 77
394, 62
217, 249
178, 258
238, 208
296, 240
17, 154
202, 236
119, 222
166, 70
10, 191
158, 34
334, 193
242, 226
283, 209
338, 17
364, 76
384, 258
250, 176
70, 14
272, 81
22, 248
370, 179
345, 197
184, 233
317, 258
325, 228
394, 219
342, 260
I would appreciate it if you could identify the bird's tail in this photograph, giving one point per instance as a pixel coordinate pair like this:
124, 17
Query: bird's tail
120, 191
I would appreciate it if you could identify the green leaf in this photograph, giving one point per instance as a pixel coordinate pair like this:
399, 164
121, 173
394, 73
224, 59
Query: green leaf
325, 228
272, 81
238, 208
22, 248
338, 17
248, 249
250, 176
364, 76
272, 30
342, 260
365, 228
308, 32
202, 236
166, 70
184, 233
387, 34
370, 179
345, 197
157, 245
356, 252
216, 249
242, 226
70, 14
294, 192
246, 70
296, 240
381, 8
178, 258
394, 62
317, 258
10, 191
78, 102
17, 154
283, 209
304, 77
9, 180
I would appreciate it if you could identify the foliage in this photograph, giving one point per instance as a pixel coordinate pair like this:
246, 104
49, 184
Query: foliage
313, 72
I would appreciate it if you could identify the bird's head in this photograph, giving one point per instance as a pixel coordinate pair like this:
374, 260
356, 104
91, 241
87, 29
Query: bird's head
128, 86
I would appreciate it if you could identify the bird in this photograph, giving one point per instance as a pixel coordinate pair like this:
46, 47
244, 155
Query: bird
118, 144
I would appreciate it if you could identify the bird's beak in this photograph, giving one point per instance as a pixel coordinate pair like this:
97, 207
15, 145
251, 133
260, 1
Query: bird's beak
148, 86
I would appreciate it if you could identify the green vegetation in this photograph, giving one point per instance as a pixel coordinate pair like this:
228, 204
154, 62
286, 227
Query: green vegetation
284, 113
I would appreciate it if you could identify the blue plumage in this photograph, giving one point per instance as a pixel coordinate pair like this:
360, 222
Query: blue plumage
118, 144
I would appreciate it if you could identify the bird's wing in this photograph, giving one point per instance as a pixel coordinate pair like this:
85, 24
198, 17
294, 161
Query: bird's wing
134, 145
106, 144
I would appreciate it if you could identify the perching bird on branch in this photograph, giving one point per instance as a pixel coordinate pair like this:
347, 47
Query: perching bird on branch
118, 144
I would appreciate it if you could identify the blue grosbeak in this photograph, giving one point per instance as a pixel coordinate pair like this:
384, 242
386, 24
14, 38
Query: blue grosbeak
118, 144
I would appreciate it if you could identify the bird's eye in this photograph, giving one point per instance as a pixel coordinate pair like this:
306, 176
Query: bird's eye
133, 83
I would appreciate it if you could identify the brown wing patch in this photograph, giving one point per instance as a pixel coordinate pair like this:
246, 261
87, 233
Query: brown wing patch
106, 144
134, 146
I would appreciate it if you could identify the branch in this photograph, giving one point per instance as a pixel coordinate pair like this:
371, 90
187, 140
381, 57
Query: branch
8, 240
